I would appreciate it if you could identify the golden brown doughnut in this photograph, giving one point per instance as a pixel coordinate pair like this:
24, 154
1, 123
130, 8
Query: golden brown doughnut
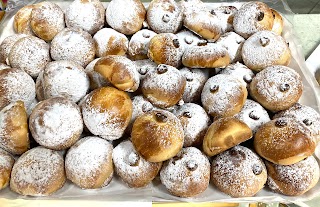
47, 20
89, 164
238, 172
284, 141
206, 55
6, 45
164, 86
277, 22
264, 49
252, 17
135, 171
38, 172
21, 21
187, 174
165, 48
276, 88
139, 44
6, 163
224, 134
119, 71
125, 16
107, 112
295, 179
223, 95
14, 128
164, 16
157, 135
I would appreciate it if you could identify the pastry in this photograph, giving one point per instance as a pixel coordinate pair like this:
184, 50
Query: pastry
96, 79
277, 22
139, 44
107, 112
14, 128
157, 135
62, 78
89, 164
6, 45
238, 172
187, 39
38, 172
135, 171
233, 43
187, 174
4, 66
144, 66
21, 21
226, 15
56, 123
6, 163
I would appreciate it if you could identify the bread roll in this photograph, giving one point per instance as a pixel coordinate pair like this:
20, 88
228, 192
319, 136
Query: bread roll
6, 163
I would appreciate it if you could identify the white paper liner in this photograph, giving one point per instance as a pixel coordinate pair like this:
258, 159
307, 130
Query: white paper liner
118, 191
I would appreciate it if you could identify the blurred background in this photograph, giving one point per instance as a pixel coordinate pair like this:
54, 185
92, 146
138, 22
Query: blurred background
305, 6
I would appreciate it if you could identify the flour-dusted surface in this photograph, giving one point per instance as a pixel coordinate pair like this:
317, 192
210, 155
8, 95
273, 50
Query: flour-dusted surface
195, 122
65, 79
131, 167
233, 44
6, 45
253, 114
37, 172
30, 54
226, 15
86, 160
238, 172
56, 123
16, 85
164, 16
144, 66
88, 15
139, 44
73, 44
187, 39
187, 174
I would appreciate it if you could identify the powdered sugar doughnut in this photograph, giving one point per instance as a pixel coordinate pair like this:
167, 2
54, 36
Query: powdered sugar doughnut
6, 45
16, 85
195, 80
238, 172
163, 87
135, 171
56, 123
3, 66
252, 17
21, 21
89, 163
239, 71
223, 95
187, 39
96, 79
62, 78
88, 15
265, 49
139, 44
126, 16
110, 42
164, 16
38, 172
195, 122
233, 43
144, 66
73, 44
253, 114
107, 112
6, 163
206, 55
47, 20
30, 54
226, 15
295, 179
276, 88
187, 174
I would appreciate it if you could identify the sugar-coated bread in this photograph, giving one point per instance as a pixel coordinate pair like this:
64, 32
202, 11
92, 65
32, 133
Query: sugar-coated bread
96, 79
188, 39
226, 15
88, 15
144, 66
135, 171
284, 141
89, 164
277, 22
276, 88
6, 45
125, 16
21, 21
187, 174
56, 123
6, 164
47, 20
119, 71
38, 172
238, 172
107, 112
139, 44
295, 179
14, 128
233, 43
224, 134
157, 135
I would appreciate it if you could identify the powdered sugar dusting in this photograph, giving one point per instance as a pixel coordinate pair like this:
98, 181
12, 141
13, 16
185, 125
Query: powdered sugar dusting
144, 66
234, 171
187, 39
177, 176
96, 79
239, 71
139, 44
3, 66
6, 160
6, 45
233, 44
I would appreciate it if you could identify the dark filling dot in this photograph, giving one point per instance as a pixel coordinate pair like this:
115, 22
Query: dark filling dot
161, 117
146, 35
284, 87
253, 115
212, 12
192, 165
264, 41
176, 43
143, 70
214, 88
247, 79
189, 79
256, 169
146, 107
166, 18
281, 123
202, 43
187, 114
260, 16
162, 69
307, 122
